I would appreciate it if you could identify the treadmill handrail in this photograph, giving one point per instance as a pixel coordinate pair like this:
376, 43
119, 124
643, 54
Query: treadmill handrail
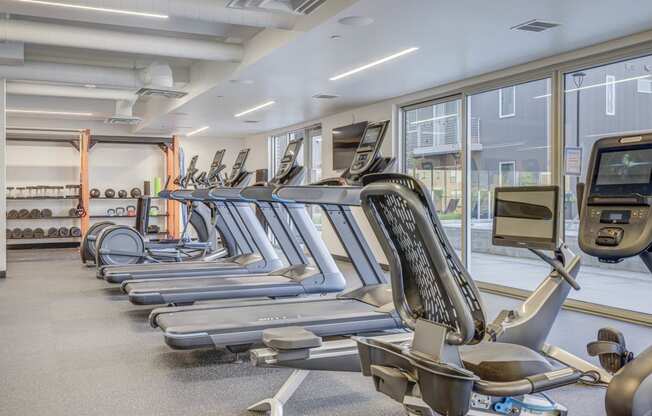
319, 195
259, 193
229, 194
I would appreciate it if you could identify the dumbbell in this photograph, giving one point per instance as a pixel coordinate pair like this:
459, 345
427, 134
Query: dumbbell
8, 234
23, 214
35, 213
39, 233
136, 193
95, 193
28, 233
16, 233
109, 193
12, 214
75, 232
53, 232
46, 213
64, 232
122, 193
72, 212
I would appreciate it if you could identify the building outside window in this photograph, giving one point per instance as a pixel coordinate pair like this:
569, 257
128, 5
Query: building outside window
507, 102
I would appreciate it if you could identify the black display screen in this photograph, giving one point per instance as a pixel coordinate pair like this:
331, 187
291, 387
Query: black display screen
346, 140
623, 171
371, 136
625, 167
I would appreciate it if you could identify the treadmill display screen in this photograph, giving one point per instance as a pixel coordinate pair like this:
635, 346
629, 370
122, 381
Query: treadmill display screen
292, 150
623, 171
371, 136
625, 167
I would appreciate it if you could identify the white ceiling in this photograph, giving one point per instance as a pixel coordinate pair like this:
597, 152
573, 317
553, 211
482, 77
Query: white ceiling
456, 40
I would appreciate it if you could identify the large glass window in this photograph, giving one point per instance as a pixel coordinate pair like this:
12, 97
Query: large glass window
508, 148
315, 164
433, 154
602, 101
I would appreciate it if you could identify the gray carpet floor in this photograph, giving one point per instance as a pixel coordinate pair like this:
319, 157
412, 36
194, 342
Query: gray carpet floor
73, 345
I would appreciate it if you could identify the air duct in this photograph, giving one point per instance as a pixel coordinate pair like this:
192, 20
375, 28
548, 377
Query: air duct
124, 114
116, 41
73, 74
159, 82
25, 88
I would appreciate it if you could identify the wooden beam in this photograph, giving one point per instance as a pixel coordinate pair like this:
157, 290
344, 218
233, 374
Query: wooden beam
84, 190
172, 171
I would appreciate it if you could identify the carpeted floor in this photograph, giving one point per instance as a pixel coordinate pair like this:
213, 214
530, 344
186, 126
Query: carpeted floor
73, 345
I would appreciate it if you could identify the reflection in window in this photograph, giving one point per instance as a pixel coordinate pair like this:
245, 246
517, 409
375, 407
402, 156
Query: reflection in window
614, 99
514, 150
433, 154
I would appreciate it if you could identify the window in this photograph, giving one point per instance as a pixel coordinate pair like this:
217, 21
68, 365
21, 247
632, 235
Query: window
507, 174
513, 152
315, 165
507, 102
626, 285
610, 95
433, 154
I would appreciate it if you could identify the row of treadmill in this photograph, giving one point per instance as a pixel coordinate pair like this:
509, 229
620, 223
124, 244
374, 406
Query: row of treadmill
252, 274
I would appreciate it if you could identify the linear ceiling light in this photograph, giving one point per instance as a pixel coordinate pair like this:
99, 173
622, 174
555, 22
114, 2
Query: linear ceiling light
256, 108
96, 9
370, 65
52, 113
192, 133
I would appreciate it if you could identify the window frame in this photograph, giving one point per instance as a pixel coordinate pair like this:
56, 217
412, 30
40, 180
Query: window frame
500, 101
554, 68
610, 95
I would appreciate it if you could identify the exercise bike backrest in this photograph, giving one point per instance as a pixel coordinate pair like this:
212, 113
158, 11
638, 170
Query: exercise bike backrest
615, 207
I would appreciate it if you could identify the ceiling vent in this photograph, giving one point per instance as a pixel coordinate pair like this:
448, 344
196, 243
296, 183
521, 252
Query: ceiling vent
157, 92
252, 121
293, 6
123, 114
325, 96
535, 25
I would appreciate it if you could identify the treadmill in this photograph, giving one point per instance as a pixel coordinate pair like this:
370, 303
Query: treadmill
365, 309
319, 276
258, 254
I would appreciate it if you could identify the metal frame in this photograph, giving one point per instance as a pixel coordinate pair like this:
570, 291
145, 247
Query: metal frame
554, 69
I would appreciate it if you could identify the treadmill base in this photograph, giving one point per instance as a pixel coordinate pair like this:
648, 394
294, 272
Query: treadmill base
274, 405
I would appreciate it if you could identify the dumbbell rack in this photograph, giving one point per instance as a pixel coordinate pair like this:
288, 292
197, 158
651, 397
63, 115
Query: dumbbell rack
45, 241
109, 217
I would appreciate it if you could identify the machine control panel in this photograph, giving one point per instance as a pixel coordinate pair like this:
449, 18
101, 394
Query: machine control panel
289, 159
368, 147
615, 215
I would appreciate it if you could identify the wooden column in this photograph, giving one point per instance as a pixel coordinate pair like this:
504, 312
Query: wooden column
84, 190
172, 172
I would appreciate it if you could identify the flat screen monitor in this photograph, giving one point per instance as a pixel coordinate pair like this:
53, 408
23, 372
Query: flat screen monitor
526, 217
371, 136
346, 140
623, 171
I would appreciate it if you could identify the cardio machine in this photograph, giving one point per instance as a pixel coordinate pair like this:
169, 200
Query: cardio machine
515, 342
256, 254
122, 244
299, 277
615, 224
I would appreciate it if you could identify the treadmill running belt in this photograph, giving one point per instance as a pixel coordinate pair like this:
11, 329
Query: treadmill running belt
233, 326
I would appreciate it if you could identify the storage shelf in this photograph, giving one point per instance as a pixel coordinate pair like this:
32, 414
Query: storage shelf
43, 240
125, 216
123, 199
45, 198
65, 217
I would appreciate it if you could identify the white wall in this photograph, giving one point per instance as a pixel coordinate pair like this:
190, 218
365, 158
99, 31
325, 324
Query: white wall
3, 176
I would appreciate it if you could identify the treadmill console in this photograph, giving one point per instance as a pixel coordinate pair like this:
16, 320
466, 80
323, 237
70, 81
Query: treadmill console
368, 149
190, 172
289, 160
615, 212
216, 165
238, 166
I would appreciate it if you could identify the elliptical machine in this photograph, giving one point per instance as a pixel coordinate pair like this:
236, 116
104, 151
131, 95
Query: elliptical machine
123, 244
615, 224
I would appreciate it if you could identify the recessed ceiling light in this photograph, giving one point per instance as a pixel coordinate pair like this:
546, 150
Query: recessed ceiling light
241, 81
45, 112
192, 133
356, 21
256, 108
96, 9
252, 121
336, 37
372, 64
325, 96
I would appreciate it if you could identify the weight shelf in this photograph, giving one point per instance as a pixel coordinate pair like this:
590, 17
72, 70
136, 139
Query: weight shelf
44, 198
44, 218
126, 216
127, 198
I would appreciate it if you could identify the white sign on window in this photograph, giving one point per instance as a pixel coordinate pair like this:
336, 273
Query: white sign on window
573, 161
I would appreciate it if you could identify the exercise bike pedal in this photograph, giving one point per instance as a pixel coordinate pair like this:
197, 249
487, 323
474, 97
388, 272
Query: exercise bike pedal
611, 349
